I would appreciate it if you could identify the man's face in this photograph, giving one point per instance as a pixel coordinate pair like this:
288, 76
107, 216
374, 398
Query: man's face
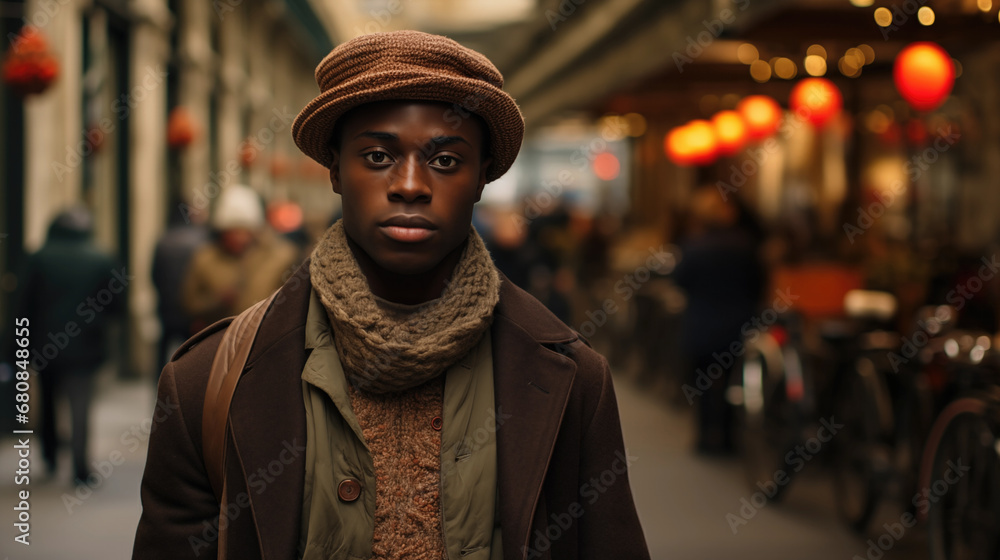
408, 180
236, 240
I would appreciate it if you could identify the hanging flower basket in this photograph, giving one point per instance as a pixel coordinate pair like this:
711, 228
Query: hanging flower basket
181, 128
30, 67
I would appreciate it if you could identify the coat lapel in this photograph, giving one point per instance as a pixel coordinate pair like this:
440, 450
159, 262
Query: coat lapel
268, 420
532, 385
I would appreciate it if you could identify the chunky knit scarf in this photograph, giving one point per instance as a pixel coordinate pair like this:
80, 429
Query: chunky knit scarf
382, 351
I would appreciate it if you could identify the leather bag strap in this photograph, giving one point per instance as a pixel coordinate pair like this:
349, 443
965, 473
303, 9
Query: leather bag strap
227, 367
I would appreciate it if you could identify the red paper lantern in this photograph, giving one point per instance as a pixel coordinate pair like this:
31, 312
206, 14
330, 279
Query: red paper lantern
924, 75
761, 114
606, 166
692, 144
284, 216
816, 100
730, 132
29, 67
181, 128
248, 152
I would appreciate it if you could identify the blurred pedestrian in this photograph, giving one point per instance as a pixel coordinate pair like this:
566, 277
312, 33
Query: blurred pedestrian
72, 291
721, 273
186, 233
244, 263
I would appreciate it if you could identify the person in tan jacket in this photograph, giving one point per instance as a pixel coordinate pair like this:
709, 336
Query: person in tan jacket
245, 263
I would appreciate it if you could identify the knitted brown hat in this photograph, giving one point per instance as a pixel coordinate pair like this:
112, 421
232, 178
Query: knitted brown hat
410, 65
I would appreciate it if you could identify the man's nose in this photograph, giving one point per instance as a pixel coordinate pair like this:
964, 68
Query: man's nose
410, 183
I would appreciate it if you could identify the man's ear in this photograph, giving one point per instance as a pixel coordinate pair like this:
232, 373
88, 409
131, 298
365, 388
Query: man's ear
485, 165
335, 171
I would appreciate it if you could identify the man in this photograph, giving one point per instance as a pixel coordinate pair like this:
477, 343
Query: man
72, 292
243, 265
402, 400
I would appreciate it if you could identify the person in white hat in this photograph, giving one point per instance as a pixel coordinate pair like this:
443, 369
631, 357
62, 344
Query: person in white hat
244, 264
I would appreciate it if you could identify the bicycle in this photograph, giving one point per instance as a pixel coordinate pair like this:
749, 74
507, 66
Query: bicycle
886, 405
961, 502
783, 386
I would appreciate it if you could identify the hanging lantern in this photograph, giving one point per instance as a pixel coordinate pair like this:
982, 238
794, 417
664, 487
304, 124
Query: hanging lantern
692, 144
181, 128
730, 132
761, 115
924, 75
248, 153
606, 166
29, 67
817, 100
285, 216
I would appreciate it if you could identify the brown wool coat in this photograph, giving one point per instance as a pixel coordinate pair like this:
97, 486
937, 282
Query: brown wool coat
559, 438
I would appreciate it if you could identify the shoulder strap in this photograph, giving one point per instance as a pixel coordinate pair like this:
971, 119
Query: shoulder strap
230, 359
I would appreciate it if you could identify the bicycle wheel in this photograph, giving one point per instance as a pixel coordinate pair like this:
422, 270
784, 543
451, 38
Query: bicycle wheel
962, 491
860, 454
767, 425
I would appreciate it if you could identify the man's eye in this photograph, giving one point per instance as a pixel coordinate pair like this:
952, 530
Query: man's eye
445, 161
377, 157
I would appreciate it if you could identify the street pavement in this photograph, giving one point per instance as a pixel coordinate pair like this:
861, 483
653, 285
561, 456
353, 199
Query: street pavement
683, 499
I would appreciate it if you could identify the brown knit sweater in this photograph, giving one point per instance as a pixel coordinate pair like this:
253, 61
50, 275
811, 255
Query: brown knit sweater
406, 452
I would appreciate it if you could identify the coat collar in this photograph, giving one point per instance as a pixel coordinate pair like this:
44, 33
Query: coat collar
532, 384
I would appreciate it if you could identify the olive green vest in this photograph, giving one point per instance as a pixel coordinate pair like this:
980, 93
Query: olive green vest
336, 450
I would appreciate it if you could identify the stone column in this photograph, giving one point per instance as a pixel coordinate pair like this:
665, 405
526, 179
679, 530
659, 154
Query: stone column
196, 78
150, 49
53, 124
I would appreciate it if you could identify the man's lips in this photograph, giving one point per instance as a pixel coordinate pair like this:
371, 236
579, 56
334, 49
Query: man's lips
408, 228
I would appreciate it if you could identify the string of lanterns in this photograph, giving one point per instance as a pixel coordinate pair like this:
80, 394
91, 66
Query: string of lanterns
923, 73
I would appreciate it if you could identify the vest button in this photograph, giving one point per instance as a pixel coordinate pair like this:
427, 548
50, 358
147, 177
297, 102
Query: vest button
437, 423
349, 490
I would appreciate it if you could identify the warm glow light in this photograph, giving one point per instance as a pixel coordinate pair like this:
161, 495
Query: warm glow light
613, 127
730, 132
785, 69
925, 15
747, 53
869, 53
816, 100
856, 55
284, 217
849, 67
878, 122
985, 5
815, 65
924, 75
692, 144
606, 166
760, 71
883, 17
816, 50
862, 3
636, 124
761, 114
